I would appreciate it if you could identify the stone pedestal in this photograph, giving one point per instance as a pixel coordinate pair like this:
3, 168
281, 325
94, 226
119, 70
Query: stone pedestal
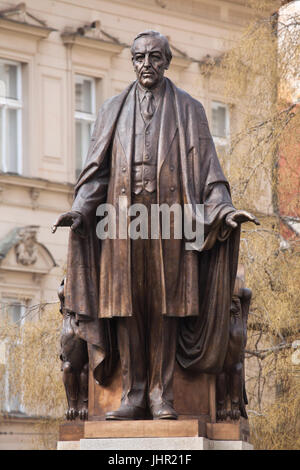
226, 431
153, 444
142, 429
196, 428
184, 434
146, 443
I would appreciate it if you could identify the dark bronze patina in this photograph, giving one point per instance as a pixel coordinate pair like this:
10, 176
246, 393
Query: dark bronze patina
75, 363
230, 384
152, 302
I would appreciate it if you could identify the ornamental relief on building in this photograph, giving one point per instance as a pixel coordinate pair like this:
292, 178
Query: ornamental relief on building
26, 248
21, 251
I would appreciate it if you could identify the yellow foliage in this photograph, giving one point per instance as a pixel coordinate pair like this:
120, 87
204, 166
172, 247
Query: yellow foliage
33, 363
263, 167
33, 368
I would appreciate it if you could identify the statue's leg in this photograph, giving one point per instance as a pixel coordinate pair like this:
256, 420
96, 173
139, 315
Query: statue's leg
133, 366
162, 334
71, 387
221, 394
84, 391
236, 390
131, 334
162, 351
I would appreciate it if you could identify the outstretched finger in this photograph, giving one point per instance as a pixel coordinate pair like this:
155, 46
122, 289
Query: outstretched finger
56, 224
246, 215
253, 219
61, 221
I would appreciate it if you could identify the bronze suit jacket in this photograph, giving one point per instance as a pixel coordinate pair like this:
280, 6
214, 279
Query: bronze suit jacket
196, 285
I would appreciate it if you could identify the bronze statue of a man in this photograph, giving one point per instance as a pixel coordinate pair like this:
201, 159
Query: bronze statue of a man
149, 299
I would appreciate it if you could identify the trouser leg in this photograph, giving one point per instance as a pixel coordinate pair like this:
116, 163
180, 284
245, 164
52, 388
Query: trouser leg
162, 332
163, 341
132, 336
133, 361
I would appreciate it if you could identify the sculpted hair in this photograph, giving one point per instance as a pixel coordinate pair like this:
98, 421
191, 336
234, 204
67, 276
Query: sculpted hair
152, 33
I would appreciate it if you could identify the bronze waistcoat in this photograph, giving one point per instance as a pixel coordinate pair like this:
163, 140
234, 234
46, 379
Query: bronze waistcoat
144, 165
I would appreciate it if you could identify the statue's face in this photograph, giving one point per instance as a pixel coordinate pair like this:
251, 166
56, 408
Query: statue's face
149, 61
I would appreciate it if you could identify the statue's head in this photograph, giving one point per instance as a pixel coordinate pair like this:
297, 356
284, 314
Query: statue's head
151, 56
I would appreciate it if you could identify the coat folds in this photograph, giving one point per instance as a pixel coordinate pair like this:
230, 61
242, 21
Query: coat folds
196, 285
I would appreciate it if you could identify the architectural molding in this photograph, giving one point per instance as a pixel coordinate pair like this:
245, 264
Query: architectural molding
20, 181
37, 32
109, 47
34, 193
172, 8
180, 59
21, 252
17, 19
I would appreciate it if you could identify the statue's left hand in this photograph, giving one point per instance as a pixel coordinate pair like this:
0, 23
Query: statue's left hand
71, 219
238, 217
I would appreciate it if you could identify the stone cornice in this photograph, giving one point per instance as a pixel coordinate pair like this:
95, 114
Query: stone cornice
172, 10
92, 43
38, 32
9, 179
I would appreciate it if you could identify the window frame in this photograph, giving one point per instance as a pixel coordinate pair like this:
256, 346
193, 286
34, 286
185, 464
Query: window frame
80, 116
8, 406
218, 140
17, 104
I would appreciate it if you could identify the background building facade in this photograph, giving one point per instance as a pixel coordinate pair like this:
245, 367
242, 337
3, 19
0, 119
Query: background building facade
59, 60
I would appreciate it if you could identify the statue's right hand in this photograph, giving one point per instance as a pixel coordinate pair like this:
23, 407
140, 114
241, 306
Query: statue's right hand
68, 219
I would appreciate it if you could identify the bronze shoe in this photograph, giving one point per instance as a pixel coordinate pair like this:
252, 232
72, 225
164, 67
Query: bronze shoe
163, 411
126, 412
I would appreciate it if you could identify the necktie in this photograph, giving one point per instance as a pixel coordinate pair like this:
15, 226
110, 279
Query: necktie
148, 107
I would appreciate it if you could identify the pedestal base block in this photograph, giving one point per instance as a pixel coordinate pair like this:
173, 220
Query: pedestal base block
229, 430
184, 434
71, 431
146, 443
143, 428
155, 443
68, 445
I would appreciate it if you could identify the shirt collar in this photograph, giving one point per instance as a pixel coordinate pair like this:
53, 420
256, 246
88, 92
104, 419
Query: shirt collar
157, 92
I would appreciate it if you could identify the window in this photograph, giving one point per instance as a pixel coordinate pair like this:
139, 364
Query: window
220, 123
85, 116
10, 117
11, 311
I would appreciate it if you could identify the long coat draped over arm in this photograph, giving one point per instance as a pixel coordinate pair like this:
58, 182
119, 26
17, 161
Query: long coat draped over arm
199, 286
